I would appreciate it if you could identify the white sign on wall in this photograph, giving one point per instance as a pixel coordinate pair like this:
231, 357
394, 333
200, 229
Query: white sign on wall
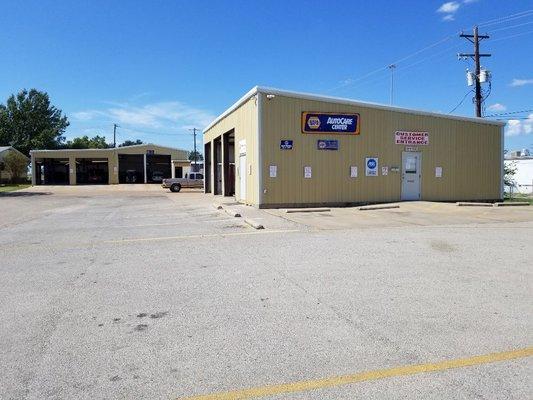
438, 172
273, 171
371, 166
384, 170
307, 172
242, 146
353, 171
411, 138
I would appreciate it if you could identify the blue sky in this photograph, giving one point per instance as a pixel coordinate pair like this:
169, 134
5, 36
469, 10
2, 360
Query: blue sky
158, 68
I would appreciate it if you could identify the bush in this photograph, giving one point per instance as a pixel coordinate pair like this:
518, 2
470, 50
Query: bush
16, 165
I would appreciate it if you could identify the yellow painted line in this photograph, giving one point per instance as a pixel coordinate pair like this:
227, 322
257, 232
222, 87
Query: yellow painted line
200, 236
304, 386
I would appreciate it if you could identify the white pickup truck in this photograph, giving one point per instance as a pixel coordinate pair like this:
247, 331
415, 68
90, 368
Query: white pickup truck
191, 180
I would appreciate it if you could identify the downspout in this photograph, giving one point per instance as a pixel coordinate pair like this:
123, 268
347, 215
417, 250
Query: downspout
258, 149
502, 162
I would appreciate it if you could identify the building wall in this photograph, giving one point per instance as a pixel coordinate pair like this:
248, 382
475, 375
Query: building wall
243, 121
469, 153
110, 154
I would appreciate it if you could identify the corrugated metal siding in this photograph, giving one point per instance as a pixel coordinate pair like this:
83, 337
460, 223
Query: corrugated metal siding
110, 154
468, 152
244, 122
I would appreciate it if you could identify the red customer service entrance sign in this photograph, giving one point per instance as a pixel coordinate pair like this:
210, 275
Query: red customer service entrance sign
412, 138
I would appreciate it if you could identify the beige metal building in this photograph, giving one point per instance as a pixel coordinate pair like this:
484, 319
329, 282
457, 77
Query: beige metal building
276, 148
144, 163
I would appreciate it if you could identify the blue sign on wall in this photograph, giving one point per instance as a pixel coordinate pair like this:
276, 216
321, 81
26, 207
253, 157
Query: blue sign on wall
327, 144
330, 123
285, 144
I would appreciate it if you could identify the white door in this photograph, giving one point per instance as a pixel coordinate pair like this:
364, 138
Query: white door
242, 170
242, 176
411, 174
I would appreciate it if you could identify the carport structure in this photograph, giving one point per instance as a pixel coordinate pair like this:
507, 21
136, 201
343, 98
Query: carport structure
145, 163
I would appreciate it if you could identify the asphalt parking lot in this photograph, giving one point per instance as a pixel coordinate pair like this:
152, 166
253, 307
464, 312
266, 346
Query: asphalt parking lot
137, 293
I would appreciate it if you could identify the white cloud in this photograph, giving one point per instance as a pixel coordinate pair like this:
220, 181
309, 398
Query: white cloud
497, 107
165, 116
449, 7
516, 127
84, 115
521, 82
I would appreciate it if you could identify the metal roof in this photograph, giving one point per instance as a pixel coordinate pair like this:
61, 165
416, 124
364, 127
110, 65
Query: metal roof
5, 148
339, 100
111, 148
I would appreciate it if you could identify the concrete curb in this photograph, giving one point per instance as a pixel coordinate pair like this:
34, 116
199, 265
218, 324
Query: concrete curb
306, 210
472, 204
231, 212
512, 204
254, 224
378, 207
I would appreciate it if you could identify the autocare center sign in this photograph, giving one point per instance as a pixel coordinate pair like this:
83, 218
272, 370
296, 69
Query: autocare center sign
411, 138
313, 122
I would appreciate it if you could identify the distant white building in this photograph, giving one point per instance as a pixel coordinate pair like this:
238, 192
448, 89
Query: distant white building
523, 162
181, 168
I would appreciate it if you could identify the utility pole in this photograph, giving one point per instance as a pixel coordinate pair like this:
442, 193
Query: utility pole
391, 67
195, 154
115, 126
475, 39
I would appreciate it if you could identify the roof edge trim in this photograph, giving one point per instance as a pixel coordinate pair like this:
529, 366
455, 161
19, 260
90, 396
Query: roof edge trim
341, 100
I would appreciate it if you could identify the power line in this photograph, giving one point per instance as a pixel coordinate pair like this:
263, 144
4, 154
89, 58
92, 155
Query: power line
153, 132
514, 118
507, 18
353, 81
509, 113
510, 27
512, 36
475, 38
461, 102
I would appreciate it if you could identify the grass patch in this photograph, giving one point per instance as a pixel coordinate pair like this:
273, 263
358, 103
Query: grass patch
12, 188
527, 199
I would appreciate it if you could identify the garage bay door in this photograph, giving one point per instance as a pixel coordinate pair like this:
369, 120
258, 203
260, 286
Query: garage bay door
131, 168
92, 171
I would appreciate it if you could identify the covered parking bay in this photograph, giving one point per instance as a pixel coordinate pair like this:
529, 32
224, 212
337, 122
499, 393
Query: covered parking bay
146, 163
92, 171
52, 171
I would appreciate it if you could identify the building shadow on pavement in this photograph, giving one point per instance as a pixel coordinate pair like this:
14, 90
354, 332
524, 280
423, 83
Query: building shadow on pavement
23, 194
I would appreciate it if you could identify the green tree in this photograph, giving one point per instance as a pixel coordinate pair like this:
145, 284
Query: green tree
130, 143
28, 121
509, 171
84, 142
16, 164
199, 156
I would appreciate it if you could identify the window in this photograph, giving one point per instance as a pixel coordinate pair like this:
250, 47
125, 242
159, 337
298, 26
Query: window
410, 165
199, 176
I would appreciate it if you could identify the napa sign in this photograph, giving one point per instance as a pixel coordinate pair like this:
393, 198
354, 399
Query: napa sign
313, 122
